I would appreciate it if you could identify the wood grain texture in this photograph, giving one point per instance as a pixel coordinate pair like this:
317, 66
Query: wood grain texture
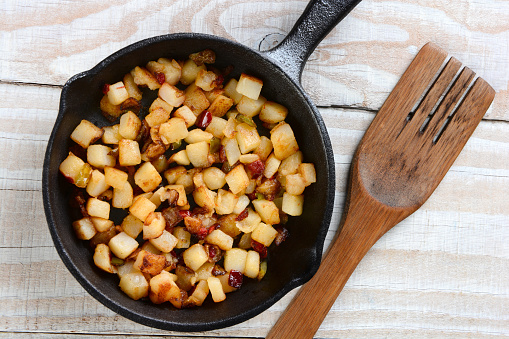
441, 273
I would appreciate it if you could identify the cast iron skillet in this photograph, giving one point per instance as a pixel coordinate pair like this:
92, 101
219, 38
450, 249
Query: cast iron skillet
292, 263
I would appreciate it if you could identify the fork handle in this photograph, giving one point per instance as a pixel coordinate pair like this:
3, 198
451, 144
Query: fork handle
364, 222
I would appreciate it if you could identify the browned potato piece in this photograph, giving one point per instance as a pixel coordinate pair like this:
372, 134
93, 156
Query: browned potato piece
220, 106
102, 258
142, 77
147, 177
249, 86
86, 133
163, 288
150, 263
283, 141
128, 153
134, 285
84, 229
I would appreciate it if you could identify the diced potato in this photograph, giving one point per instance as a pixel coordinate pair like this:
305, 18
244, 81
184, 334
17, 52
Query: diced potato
157, 117
126, 268
172, 174
86, 133
96, 184
99, 156
173, 130
205, 271
150, 263
131, 87
102, 258
75, 170
190, 71
248, 224
249, 86
204, 197
98, 208
231, 90
225, 202
183, 237
216, 289
128, 152
273, 113
166, 242
153, 226
216, 127
268, 211
206, 80
228, 225
159, 196
147, 177
199, 294
171, 94
122, 245
110, 111
250, 107
84, 228
271, 166
198, 135
283, 141
142, 77
132, 226
134, 285
221, 239
308, 173
181, 158
117, 93
292, 204
111, 135
122, 197
115, 177
186, 181
142, 207
295, 184
213, 94
248, 158
235, 259
198, 154
252, 264
185, 114
291, 164
229, 129
224, 283
264, 234
231, 148
196, 99
214, 178
163, 288
159, 103
237, 179
241, 204
172, 70
220, 106
195, 256
247, 137
101, 224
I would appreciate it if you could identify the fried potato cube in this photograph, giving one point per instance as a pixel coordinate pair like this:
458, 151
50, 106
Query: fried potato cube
242, 203
102, 258
206, 80
224, 283
271, 166
73, 170
267, 210
220, 105
231, 148
183, 237
185, 113
166, 242
150, 263
247, 137
292, 204
122, 245
117, 93
172, 174
129, 126
142, 207
157, 117
248, 224
231, 90
172, 70
283, 141
195, 256
214, 178
252, 264
250, 107
272, 112
198, 135
235, 259
110, 111
159, 103
229, 129
173, 130
96, 184
163, 288
114, 177
216, 127
134, 285
196, 99
154, 225
180, 158
198, 154
221, 239
101, 224
249, 86
291, 164
181, 190
100, 156
225, 202
132, 226
216, 289
128, 152
98, 208
308, 173
86, 133
295, 184
131, 87
237, 179
147, 177
122, 197
199, 294
248, 158
171, 94
111, 135
142, 77
84, 228
264, 234
204, 197
213, 94
190, 71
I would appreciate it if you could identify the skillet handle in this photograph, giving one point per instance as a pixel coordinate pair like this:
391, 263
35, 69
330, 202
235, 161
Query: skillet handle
317, 20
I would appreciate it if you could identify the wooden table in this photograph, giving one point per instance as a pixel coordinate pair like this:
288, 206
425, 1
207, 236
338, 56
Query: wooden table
442, 273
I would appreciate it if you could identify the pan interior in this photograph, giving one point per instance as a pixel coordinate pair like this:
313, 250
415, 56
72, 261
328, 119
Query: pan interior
289, 265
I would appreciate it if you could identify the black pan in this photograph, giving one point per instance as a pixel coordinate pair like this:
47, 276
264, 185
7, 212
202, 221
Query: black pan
291, 264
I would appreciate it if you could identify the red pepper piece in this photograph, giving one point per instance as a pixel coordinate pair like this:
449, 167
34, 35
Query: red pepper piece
260, 248
204, 119
106, 89
235, 279
242, 215
161, 78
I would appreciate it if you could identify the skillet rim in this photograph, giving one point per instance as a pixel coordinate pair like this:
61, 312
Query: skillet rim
168, 325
